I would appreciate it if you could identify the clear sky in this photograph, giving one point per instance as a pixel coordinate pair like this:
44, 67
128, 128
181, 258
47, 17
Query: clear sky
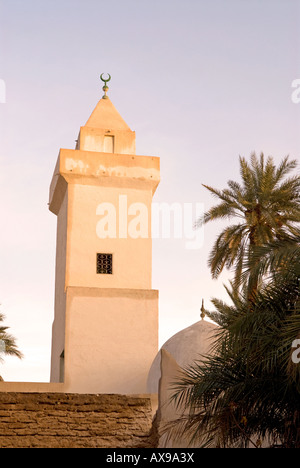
200, 81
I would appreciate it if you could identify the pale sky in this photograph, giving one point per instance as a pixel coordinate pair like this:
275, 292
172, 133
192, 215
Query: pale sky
200, 81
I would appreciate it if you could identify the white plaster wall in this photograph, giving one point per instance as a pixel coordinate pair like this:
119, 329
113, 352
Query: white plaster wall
132, 258
111, 340
58, 327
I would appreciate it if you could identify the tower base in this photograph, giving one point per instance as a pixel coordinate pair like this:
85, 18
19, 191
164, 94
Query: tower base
111, 340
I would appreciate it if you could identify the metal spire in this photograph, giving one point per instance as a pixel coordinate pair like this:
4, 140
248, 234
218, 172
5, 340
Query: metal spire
105, 87
202, 310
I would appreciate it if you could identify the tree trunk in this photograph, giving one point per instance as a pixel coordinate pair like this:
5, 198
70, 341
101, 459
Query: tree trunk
253, 277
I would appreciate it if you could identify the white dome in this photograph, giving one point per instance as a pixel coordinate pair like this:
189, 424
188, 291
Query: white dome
186, 347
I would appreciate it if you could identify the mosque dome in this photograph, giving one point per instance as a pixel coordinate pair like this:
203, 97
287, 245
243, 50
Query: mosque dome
186, 347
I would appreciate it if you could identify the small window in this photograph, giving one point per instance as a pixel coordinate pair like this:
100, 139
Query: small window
104, 264
109, 143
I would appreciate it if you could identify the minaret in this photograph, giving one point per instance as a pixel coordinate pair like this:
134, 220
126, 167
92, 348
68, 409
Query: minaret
105, 329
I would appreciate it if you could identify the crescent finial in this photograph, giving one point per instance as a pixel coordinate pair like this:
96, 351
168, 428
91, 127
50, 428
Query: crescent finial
105, 87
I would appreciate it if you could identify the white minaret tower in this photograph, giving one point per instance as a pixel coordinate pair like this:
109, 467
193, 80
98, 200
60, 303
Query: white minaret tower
105, 329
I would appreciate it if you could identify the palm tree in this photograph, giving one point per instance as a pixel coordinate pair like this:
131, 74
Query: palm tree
8, 345
281, 258
248, 391
267, 206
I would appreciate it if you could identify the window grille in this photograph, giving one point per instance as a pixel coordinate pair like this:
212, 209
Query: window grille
104, 264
